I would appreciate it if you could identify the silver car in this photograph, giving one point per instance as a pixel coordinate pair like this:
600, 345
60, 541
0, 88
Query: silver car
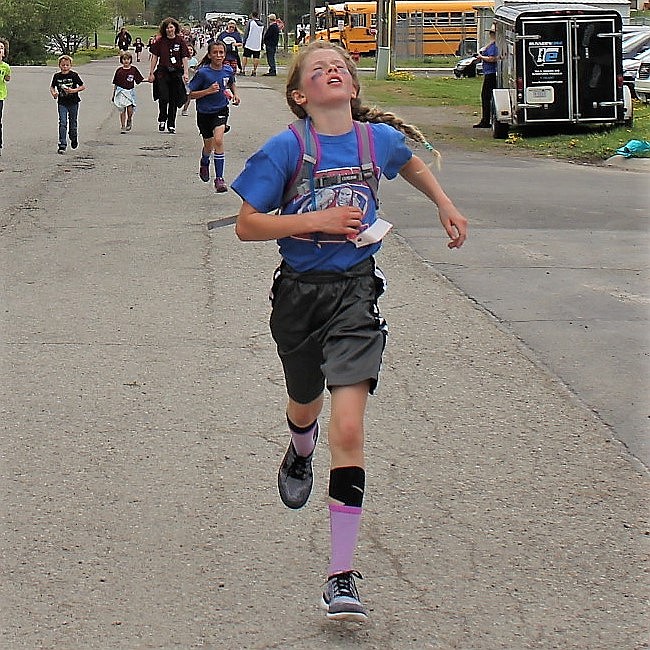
642, 81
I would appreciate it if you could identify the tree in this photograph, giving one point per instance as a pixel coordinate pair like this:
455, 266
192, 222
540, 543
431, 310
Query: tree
20, 24
130, 10
69, 24
175, 8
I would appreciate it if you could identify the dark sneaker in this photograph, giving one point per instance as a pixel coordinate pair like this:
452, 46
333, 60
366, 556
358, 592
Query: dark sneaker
220, 185
341, 598
481, 125
74, 144
61, 150
253, 74
204, 172
296, 477
161, 126
171, 129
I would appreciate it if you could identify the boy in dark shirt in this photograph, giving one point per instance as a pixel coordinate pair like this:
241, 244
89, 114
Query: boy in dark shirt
65, 88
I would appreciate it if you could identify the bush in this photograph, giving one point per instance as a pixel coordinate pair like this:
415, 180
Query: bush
27, 53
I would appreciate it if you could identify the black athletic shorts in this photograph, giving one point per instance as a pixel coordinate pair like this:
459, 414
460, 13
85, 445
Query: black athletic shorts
208, 122
255, 54
327, 328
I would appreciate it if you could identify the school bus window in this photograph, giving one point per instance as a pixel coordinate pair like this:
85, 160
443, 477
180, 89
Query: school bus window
443, 18
401, 17
469, 18
456, 18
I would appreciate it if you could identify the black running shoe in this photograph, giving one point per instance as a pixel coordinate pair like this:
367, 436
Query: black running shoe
341, 598
296, 477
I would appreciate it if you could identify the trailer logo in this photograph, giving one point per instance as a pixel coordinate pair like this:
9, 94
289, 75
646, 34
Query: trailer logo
547, 54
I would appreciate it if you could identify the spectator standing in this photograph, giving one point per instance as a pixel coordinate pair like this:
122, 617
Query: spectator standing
123, 40
489, 55
301, 34
169, 72
5, 75
253, 42
271, 40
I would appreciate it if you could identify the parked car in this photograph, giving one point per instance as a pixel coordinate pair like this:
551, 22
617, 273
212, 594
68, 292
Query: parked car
468, 67
642, 81
631, 67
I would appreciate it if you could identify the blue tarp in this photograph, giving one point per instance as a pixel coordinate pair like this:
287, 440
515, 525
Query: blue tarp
635, 148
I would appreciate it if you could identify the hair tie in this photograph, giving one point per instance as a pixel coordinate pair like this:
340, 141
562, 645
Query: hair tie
437, 158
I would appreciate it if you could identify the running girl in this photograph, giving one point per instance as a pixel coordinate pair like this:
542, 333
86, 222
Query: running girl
213, 87
325, 319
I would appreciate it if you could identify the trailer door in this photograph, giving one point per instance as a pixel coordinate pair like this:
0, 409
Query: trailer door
597, 91
546, 70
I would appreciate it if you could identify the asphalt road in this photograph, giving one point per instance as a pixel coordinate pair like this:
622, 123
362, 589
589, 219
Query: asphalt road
142, 423
559, 254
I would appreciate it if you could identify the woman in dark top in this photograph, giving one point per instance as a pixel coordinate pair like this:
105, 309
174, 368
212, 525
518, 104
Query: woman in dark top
169, 72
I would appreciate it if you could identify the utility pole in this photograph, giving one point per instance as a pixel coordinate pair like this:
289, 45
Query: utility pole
386, 13
286, 25
312, 20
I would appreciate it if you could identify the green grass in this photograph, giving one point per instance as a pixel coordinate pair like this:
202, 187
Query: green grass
580, 143
422, 91
414, 62
585, 144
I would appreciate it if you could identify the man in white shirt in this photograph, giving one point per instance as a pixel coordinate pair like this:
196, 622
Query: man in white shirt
252, 42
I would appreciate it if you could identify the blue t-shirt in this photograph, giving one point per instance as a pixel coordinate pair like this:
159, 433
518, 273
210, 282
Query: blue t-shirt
229, 39
266, 174
488, 66
204, 77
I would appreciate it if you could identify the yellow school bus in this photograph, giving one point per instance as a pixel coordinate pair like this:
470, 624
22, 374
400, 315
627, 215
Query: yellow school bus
421, 29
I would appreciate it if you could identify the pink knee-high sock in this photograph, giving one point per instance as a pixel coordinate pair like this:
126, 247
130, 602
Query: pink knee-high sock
344, 531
